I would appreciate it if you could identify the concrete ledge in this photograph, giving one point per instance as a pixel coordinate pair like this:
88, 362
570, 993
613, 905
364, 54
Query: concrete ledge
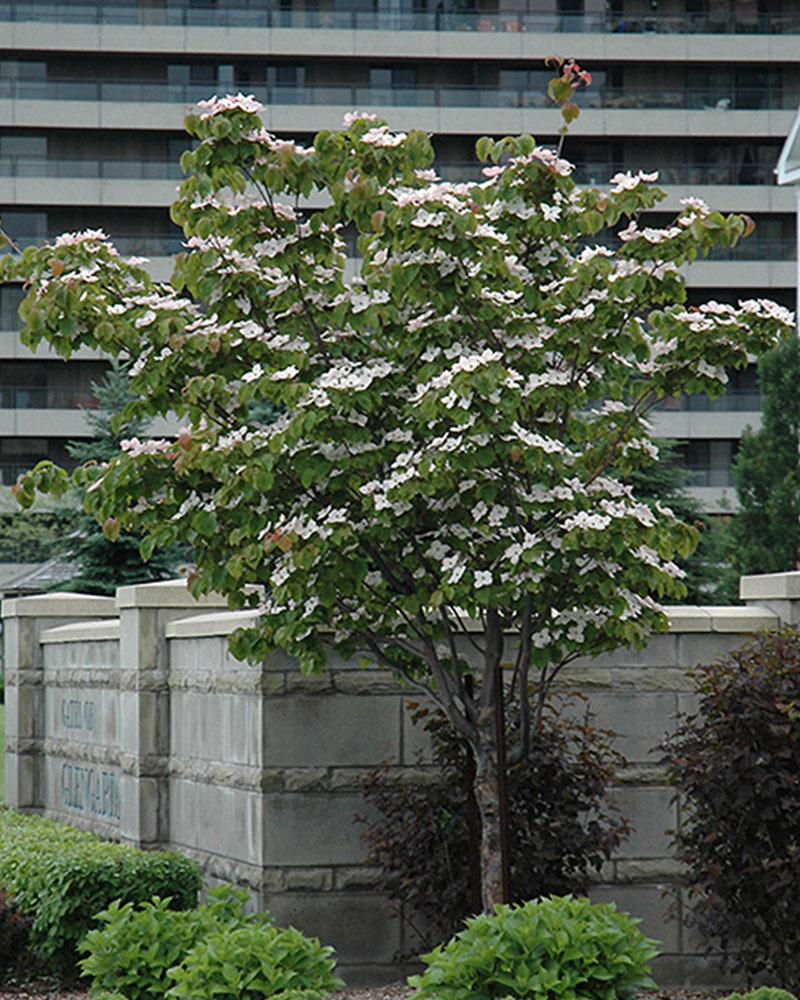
688, 618
205, 626
60, 606
730, 619
720, 619
99, 631
166, 594
770, 586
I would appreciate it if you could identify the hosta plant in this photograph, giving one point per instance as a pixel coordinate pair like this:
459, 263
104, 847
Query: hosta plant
251, 962
559, 948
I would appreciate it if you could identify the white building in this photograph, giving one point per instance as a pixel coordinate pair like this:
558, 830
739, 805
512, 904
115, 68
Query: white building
93, 93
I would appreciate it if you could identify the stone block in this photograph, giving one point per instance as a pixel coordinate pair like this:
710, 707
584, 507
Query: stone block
702, 649
312, 829
360, 926
584, 676
638, 719
651, 814
338, 730
357, 877
19, 771
82, 714
216, 727
660, 651
417, 747
221, 821
367, 682
361, 976
308, 879
650, 679
694, 972
305, 779
297, 683
15, 724
140, 809
648, 870
688, 703
647, 904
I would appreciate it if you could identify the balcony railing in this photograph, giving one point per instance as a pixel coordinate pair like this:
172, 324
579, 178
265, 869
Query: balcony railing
42, 397
585, 173
9, 319
11, 471
242, 14
756, 248
598, 173
153, 246
78, 169
143, 92
731, 402
721, 478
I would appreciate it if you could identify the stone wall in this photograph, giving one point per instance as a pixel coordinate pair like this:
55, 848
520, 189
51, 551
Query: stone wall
132, 719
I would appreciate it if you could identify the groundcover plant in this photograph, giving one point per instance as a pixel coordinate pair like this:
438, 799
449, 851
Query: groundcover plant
454, 424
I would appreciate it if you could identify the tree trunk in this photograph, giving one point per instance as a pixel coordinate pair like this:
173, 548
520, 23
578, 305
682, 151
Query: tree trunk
489, 798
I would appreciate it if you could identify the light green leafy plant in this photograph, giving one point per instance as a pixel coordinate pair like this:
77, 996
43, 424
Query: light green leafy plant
134, 947
61, 877
559, 948
249, 962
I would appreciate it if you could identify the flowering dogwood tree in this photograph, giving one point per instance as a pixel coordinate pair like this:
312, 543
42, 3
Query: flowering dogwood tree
455, 422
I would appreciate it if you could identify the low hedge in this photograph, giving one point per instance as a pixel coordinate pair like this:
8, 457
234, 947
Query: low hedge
61, 877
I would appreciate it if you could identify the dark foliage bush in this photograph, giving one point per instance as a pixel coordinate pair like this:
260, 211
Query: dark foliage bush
14, 930
562, 826
736, 765
61, 877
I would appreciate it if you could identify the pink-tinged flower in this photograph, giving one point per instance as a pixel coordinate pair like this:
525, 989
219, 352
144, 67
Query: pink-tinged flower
628, 181
381, 136
86, 236
231, 102
351, 117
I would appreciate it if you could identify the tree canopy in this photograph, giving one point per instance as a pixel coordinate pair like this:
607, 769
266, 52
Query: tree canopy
765, 533
458, 419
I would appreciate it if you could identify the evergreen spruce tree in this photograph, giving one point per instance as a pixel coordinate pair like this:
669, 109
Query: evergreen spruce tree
708, 577
103, 565
765, 535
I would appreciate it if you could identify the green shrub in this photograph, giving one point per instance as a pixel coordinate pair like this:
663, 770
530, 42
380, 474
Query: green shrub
558, 948
133, 948
249, 962
61, 877
735, 765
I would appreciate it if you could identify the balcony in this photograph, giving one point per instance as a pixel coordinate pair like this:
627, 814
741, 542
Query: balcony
80, 169
732, 402
136, 245
673, 175
41, 397
243, 14
357, 95
679, 175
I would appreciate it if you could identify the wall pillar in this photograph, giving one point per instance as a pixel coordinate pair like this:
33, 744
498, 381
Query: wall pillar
780, 592
24, 619
144, 611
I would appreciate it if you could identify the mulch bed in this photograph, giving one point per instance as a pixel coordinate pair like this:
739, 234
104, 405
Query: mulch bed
11, 989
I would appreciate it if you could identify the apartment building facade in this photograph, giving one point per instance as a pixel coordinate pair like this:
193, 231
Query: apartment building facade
93, 94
